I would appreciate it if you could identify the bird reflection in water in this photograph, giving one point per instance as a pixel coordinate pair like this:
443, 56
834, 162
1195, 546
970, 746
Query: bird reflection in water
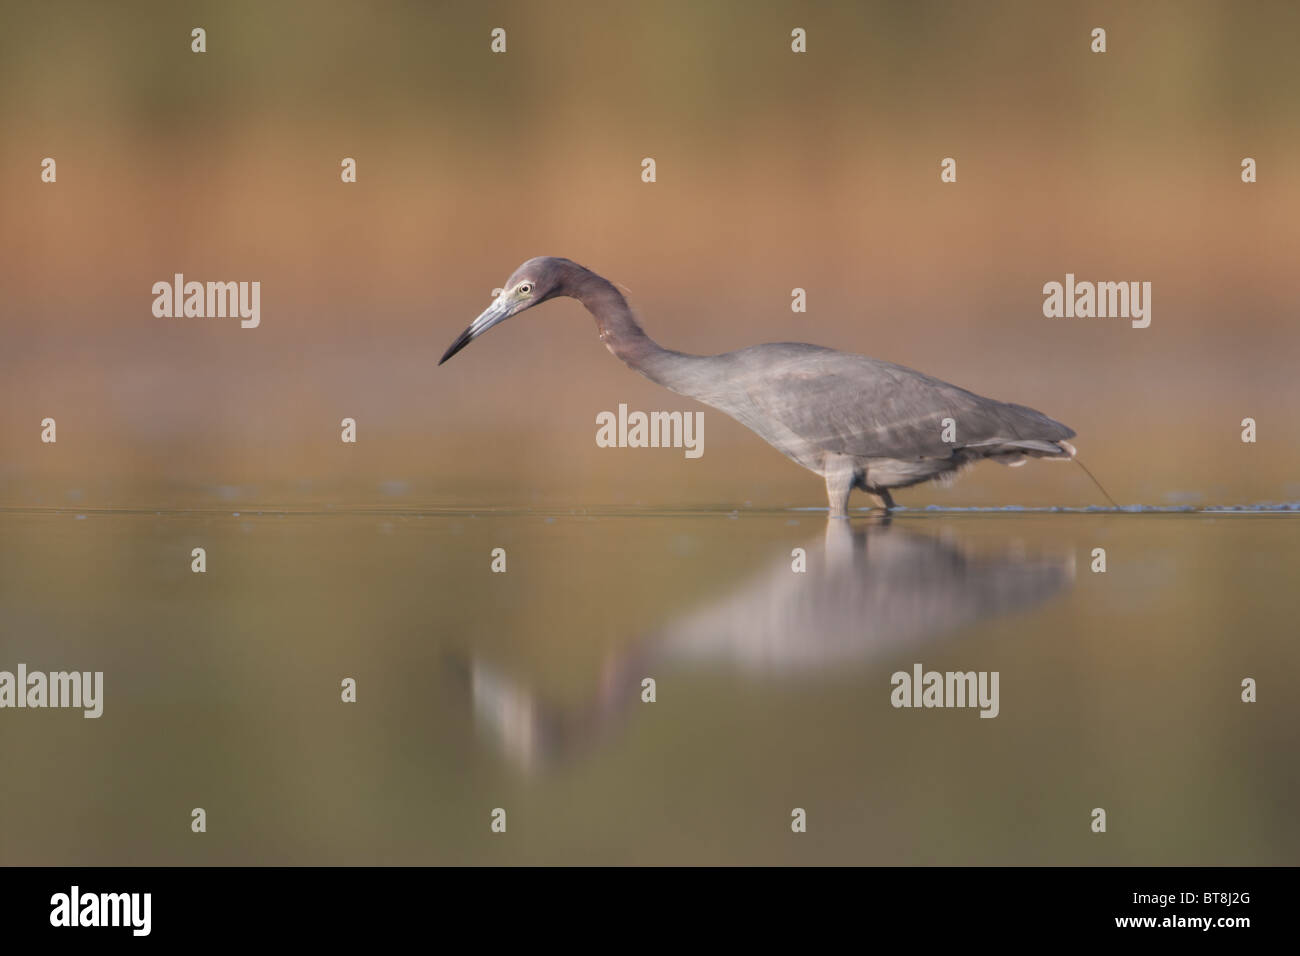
870, 592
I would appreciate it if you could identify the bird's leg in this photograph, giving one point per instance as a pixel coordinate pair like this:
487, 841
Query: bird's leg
839, 485
885, 499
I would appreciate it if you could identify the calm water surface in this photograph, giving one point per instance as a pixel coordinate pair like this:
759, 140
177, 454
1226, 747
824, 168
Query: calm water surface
522, 690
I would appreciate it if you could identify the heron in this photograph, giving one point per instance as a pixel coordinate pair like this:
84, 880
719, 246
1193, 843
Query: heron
858, 422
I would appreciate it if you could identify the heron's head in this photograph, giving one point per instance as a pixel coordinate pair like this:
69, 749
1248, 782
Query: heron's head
531, 284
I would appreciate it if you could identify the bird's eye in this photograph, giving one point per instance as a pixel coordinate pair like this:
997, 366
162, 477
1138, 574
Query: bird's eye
525, 288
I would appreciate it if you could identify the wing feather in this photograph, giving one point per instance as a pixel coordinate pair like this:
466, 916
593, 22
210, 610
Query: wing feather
855, 405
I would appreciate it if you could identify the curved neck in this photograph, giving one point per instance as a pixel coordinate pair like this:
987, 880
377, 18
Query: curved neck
619, 329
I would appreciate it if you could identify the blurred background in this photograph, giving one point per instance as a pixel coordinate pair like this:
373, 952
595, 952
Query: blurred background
521, 690
775, 171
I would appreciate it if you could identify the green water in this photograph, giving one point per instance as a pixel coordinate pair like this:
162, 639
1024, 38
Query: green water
522, 690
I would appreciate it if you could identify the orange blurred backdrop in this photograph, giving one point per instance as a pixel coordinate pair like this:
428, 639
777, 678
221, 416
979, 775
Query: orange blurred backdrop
775, 170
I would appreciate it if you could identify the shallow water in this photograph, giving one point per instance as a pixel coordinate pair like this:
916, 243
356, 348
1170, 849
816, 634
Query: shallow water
522, 690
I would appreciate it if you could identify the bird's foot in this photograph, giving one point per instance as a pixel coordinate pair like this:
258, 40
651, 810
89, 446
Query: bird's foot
884, 500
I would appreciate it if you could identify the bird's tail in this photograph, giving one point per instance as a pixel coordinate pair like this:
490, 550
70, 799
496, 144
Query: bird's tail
1074, 457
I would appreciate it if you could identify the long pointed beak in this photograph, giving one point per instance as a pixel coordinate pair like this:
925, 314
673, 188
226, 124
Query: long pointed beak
495, 313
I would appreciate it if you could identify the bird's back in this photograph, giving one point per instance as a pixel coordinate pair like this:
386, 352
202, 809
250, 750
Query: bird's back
820, 399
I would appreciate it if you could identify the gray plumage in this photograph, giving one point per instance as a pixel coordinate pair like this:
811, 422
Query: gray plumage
858, 422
